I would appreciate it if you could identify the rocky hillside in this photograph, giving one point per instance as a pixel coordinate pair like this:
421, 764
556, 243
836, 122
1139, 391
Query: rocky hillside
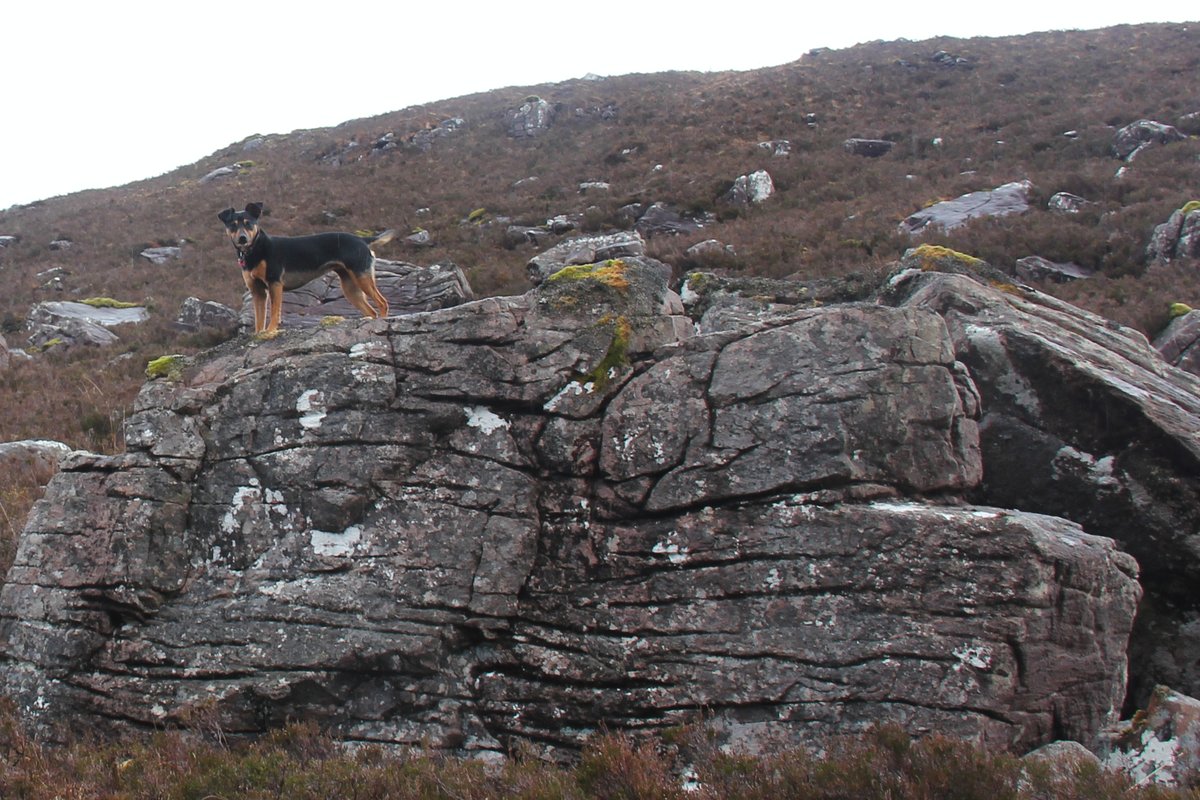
845, 147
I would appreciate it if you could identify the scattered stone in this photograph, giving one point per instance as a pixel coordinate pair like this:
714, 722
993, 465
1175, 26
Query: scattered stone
1179, 343
5, 354
196, 314
419, 238
779, 148
750, 189
593, 186
65, 324
585, 250
564, 223
517, 235
161, 255
1178, 237
1035, 269
1011, 198
61, 244
425, 139
950, 60
1062, 759
1137, 136
870, 148
1067, 203
6, 240
230, 171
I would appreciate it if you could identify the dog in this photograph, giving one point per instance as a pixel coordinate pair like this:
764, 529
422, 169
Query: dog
271, 264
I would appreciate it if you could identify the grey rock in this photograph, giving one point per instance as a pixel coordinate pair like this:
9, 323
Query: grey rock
1083, 420
1179, 343
61, 244
1178, 237
1136, 136
1011, 198
585, 250
1062, 760
409, 289
1035, 269
67, 324
870, 148
196, 314
161, 255
531, 119
38, 456
779, 148
530, 518
709, 248
5, 354
419, 239
1067, 203
660, 219
6, 240
1161, 745
536, 235
229, 171
750, 189
594, 186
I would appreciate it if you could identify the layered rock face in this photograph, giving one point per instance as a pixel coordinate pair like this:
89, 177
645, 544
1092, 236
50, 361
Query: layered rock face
527, 518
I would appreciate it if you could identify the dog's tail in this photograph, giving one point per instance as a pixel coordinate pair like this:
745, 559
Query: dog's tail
380, 238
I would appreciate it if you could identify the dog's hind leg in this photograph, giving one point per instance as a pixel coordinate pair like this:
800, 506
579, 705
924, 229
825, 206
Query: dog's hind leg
353, 292
371, 289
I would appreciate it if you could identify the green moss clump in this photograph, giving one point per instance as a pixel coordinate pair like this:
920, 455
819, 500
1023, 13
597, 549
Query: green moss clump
1179, 309
930, 254
616, 357
329, 320
477, 215
1190, 206
609, 273
107, 302
169, 367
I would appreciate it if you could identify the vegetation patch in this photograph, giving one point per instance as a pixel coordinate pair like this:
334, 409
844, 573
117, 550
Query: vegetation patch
330, 320
609, 273
1190, 206
617, 356
169, 367
1179, 309
107, 302
931, 256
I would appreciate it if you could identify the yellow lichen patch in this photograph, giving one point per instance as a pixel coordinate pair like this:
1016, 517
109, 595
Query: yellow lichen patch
1190, 206
107, 302
1179, 309
930, 254
609, 273
169, 367
329, 320
617, 355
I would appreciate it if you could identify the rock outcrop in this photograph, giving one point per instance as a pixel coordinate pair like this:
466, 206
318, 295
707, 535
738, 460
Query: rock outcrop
526, 518
1178, 237
1179, 343
65, 323
1137, 136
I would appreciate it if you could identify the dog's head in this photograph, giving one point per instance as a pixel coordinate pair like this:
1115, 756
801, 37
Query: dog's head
242, 226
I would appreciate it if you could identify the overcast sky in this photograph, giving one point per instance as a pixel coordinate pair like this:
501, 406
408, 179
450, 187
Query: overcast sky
101, 94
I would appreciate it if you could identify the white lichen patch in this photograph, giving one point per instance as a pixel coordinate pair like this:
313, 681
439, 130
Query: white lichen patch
311, 408
1098, 471
977, 656
572, 389
244, 503
486, 420
371, 350
336, 544
673, 551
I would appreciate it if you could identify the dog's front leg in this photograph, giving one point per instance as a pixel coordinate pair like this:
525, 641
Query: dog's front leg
276, 306
258, 293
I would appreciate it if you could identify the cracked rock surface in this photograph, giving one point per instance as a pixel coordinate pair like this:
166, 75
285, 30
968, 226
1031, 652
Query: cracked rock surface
526, 518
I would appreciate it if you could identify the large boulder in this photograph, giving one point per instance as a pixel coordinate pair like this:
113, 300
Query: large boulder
39, 456
1011, 198
1082, 419
581, 250
531, 119
527, 519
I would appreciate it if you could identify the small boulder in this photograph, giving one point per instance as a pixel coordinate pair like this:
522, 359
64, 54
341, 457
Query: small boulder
1137, 136
1011, 198
869, 148
53, 324
6, 240
1178, 237
61, 244
1160, 745
1035, 269
419, 238
196, 314
531, 119
779, 148
661, 219
1067, 203
1179, 343
40, 456
585, 250
161, 255
709, 248
750, 189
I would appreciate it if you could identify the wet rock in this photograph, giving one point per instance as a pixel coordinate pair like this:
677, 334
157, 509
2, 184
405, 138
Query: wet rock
1035, 269
1011, 198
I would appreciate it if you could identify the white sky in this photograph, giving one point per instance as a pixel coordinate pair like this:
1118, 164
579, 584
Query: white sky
99, 94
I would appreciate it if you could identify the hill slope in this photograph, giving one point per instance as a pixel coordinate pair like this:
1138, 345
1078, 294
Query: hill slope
964, 115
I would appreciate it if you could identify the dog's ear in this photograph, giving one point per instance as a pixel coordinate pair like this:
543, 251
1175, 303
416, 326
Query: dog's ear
254, 209
227, 215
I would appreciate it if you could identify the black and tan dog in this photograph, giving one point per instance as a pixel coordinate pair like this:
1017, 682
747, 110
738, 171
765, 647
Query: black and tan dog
271, 264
